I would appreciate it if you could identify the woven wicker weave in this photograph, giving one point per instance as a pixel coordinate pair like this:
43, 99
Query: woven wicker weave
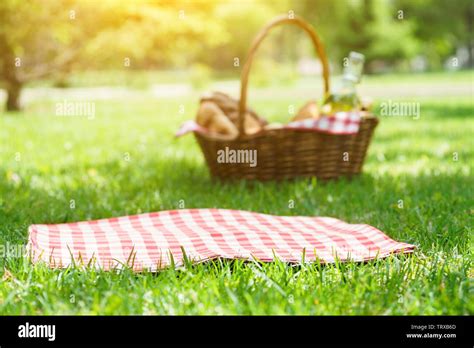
287, 153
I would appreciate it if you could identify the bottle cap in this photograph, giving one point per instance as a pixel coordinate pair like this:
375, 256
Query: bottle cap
356, 56
353, 71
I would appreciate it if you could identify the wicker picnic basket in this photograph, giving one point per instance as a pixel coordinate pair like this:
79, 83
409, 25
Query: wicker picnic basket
288, 153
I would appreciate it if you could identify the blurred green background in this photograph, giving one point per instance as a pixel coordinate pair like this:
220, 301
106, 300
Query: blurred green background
140, 44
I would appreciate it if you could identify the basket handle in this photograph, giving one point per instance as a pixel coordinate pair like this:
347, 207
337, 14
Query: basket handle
283, 19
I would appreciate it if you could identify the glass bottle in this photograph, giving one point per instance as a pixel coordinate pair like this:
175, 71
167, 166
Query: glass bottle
345, 97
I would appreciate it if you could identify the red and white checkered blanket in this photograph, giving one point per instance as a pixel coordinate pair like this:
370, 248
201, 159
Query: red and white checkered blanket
156, 240
339, 123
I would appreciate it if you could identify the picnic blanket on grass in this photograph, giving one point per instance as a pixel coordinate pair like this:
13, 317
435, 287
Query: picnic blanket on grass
155, 241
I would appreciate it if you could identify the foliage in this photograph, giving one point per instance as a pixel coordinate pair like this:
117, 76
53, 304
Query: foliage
241, 24
442, 26
79, 34
56, 38
368, 26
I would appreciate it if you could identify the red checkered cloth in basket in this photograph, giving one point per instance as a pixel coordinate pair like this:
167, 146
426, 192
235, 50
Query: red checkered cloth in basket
156, 240
339, 123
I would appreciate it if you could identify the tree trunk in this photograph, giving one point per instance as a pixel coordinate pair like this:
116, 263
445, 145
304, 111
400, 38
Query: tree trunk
13, 95
470, 58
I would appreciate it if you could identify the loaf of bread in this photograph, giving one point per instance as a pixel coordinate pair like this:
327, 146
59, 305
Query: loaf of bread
309, 110
230, 108
211, 117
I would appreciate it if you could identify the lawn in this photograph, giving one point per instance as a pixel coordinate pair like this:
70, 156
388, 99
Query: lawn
46, 161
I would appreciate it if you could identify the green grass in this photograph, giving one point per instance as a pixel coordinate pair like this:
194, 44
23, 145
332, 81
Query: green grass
75, 158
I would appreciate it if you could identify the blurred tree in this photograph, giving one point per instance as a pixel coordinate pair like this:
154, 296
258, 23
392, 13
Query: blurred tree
50, 39
15, 20
371, 27
40, 39
154, 34
241, 23
442, 26
391, 36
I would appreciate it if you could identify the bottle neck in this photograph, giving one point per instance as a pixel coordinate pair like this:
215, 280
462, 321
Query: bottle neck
348, 80
347, 85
